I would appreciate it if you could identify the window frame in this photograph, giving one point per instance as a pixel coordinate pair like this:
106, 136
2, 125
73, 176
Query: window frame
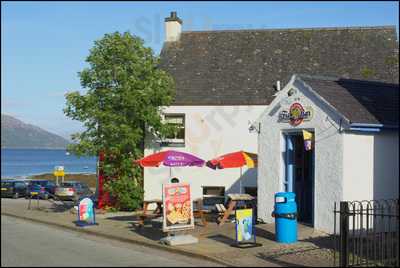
174, 142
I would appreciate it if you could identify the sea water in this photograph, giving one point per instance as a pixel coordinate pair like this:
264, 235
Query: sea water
26, 162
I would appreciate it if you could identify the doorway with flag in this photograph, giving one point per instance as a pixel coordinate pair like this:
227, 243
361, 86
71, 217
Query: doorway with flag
299, 172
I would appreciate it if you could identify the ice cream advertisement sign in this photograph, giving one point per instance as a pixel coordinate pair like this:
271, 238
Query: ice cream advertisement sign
178, 209
86, 214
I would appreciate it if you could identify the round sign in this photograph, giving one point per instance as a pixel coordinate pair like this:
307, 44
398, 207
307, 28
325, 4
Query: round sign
296, 112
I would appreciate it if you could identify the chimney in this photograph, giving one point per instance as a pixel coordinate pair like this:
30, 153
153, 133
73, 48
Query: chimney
173, 28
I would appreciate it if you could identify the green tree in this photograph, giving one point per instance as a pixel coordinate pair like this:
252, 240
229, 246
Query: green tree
125, 94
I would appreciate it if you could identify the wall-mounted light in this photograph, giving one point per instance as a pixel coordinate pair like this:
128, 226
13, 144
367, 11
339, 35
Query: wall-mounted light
291, 92
253, 128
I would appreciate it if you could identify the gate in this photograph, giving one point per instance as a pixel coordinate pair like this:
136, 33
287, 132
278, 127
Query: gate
366, 233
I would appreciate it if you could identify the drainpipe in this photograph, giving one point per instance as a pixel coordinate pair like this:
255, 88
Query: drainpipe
366, 125
374, 126
366, 129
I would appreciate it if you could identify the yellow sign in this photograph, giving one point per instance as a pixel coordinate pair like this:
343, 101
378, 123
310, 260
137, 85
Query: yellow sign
58, 173
244, 224
307, 135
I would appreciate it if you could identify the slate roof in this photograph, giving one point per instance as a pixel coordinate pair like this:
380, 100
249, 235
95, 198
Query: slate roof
241, 67
360, 101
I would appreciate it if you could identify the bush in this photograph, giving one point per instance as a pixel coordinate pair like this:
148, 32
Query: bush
128, 195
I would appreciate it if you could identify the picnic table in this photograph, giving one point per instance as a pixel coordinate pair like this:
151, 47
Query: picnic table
199, 212
157, 212
233, 201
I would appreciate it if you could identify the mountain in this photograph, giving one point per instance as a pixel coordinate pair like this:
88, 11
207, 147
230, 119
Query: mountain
17, 134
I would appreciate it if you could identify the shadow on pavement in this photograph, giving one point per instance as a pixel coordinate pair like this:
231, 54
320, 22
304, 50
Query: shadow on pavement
322, 242
148, 231
124, 218
223, 239
264, 233
59, 208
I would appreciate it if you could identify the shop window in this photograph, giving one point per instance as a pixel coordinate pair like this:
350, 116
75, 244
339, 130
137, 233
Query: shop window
213, 195
177, 138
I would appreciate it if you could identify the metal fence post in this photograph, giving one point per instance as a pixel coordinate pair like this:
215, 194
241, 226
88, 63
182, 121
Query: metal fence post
344, 232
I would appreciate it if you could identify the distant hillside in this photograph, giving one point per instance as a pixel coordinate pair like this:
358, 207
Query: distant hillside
17, 134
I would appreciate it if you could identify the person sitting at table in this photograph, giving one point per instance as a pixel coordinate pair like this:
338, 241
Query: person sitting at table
174, 180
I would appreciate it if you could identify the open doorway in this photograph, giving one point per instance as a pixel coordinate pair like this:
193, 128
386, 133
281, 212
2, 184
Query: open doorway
299, 175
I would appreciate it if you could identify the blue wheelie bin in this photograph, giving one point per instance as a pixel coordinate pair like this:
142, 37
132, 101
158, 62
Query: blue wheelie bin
285, 213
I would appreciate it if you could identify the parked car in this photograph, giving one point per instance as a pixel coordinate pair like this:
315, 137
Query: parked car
43, 188
13, 188
73, 190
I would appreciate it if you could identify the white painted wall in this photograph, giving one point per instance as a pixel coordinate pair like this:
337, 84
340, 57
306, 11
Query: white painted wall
371, 168
386, 165
358, 166
210, 131
328, 155
371, 165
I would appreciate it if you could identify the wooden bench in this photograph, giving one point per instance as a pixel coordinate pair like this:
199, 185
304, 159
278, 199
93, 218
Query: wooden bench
233, 200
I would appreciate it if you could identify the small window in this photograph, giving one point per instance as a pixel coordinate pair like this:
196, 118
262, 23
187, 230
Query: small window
213, 195
178, 137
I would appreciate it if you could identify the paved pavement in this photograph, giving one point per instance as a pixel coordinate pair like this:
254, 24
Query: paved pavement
24, 243
312, 249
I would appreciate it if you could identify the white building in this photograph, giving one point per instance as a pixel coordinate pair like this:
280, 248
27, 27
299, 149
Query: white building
355, 150
225, 79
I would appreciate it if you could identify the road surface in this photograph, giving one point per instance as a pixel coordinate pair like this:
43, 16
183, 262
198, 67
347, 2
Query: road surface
24, 243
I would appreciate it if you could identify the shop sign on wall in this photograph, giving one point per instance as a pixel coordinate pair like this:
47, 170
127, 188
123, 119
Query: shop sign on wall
178, 209
296, 114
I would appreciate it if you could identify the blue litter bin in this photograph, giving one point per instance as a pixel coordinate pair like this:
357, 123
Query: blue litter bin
285, 213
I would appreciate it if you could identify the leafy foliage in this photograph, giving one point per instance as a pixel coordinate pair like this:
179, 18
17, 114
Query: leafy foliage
125, 93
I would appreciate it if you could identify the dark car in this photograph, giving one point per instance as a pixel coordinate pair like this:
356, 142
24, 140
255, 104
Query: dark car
73, 190
13, 188
42, 188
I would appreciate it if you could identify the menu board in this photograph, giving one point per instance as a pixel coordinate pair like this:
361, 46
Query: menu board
178, 207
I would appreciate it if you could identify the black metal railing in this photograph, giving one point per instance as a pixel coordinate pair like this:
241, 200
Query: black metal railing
366, 233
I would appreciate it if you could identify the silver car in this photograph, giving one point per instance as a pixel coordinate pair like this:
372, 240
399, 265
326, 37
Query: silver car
72, 190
